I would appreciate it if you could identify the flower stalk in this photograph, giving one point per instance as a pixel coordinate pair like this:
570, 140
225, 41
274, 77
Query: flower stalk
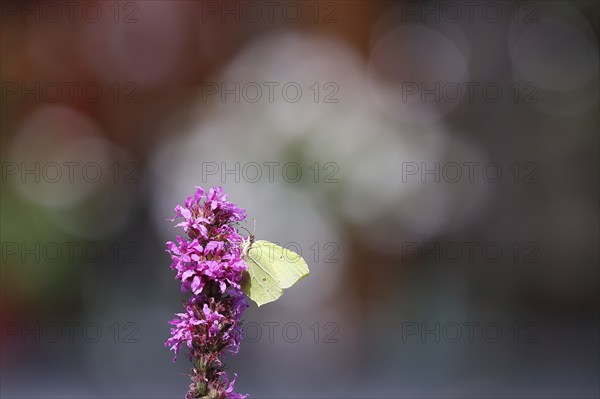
209, 264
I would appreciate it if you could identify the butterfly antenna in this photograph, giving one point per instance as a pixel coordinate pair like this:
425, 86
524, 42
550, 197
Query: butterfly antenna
246, 229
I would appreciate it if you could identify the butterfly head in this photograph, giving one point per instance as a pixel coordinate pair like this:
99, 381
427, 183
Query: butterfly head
248, 241
247, 244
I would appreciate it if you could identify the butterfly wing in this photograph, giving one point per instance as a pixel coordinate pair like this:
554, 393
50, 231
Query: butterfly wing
260, 283
288, 266
271, 269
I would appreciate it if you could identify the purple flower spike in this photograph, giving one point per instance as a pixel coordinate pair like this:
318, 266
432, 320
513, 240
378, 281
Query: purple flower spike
208, 263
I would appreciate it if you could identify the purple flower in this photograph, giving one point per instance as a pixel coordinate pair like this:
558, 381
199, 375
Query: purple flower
231, 394
184, 330
208, 262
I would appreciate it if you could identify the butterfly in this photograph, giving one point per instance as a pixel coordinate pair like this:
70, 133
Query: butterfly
271, 269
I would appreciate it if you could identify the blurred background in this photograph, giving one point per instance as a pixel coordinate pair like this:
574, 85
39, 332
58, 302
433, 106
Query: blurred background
436, 164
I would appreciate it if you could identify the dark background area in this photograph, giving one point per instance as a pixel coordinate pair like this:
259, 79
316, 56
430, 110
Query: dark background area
436, 164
